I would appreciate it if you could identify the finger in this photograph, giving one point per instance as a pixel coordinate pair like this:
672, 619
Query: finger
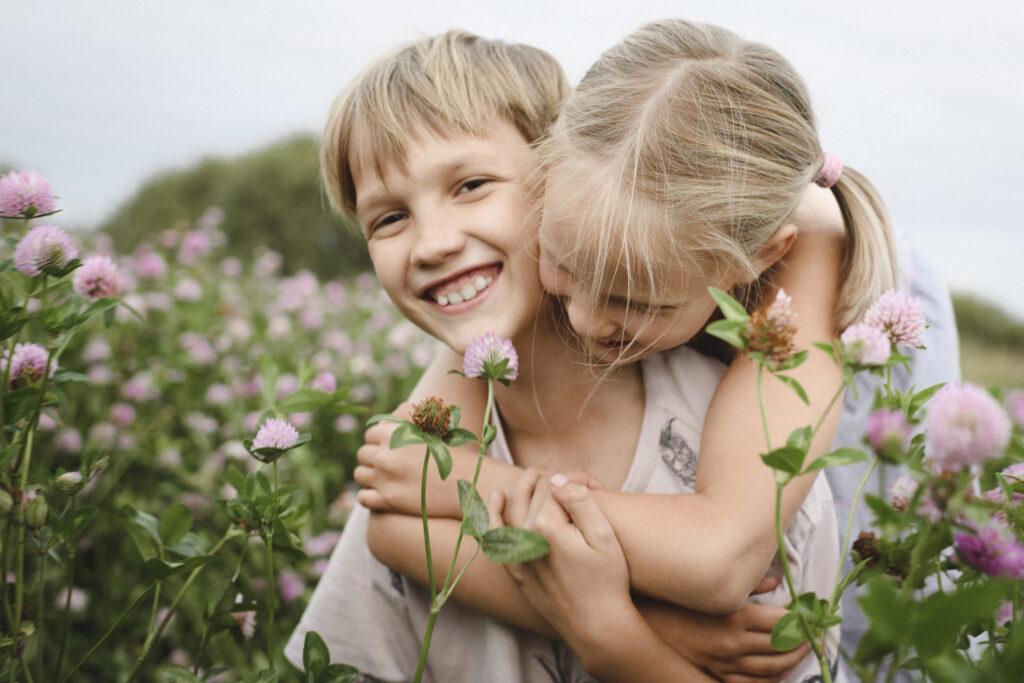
404, 410
760, 618
767, 585
372, 499
364, 476
367, 455
518, 502
769, 666
538, 504
379, 434
585, 478
495, 506
584, 512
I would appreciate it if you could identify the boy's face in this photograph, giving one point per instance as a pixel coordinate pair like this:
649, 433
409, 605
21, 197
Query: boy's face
449, 235
623, 323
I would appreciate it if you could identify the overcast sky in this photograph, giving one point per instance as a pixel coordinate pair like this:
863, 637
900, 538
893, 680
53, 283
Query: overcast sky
928, 101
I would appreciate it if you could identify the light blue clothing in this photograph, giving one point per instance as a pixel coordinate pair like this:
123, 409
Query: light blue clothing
940, 362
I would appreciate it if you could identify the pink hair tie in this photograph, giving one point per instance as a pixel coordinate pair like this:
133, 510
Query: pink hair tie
830, 171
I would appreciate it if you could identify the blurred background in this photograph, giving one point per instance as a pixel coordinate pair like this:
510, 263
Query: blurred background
145, 114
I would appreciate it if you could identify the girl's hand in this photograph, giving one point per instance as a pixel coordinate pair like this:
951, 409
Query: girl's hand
391, 478
734, 647
583, 583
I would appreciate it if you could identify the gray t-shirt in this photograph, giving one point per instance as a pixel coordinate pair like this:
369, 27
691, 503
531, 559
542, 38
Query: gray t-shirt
374, 618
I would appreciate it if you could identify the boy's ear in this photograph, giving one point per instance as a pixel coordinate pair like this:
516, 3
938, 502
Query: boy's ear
777, 247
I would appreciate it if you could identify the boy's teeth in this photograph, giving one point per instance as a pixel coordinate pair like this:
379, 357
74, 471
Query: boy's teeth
466, 292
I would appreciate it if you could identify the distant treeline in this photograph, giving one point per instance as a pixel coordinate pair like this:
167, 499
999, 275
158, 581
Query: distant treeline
988, 324
271, 197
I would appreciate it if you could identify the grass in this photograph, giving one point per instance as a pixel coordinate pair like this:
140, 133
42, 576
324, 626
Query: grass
991, 343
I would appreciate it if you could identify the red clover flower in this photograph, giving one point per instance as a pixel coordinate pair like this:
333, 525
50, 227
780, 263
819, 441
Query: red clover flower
991, 550
771, 330
96, 279
491, 356
45, 246
27, 364
866, 345
900, 316
275, 433
965, 427
888, 432
25, 192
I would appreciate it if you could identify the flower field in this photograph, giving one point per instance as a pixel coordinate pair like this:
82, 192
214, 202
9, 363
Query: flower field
163, 364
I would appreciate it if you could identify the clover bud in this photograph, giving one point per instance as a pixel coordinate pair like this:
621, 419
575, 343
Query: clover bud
6, 501
69, 482
35, 514
432, 416
100, 464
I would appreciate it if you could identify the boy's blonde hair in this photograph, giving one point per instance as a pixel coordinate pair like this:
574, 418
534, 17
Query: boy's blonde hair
453, 82
702, 144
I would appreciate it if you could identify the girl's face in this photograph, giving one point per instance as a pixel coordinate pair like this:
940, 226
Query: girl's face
622, 322
450, 234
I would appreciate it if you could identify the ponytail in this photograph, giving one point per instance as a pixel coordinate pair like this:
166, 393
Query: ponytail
870, 265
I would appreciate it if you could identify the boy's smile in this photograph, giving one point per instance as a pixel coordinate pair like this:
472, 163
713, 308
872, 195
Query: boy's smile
449, 232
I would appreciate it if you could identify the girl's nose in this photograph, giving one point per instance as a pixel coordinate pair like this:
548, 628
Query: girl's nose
589, 323
437, 241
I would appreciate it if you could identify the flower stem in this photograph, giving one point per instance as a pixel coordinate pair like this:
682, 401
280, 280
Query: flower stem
764, 415
110, 630
152, 638
430, 571
828, 409
849, 531
271, 586
66, 622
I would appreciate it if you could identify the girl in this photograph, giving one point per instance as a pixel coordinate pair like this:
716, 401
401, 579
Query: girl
730, 519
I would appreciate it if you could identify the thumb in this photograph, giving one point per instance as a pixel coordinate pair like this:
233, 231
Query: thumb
767, 585
495, 507
583, 510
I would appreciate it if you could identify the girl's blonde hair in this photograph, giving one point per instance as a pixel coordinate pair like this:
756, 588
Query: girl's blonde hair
450, 83
701, 144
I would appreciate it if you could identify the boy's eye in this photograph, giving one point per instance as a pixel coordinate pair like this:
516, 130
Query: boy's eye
386, 220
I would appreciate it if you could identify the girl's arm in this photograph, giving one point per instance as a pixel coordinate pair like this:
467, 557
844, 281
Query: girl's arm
707, 550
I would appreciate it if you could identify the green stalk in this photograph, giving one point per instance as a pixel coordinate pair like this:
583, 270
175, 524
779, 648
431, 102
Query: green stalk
67, 609
849, 531
430, 571
271, 586
153, 636
106, 635
835, 397
764, 416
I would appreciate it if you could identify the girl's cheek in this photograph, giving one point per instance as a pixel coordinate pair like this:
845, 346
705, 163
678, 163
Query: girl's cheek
551, 280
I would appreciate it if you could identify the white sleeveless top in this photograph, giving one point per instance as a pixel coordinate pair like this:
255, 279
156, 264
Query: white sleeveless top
374, 618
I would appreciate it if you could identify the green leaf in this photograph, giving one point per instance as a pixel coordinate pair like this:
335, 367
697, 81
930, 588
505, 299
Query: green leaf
65, 376
95, 308
475, 520
175, 523
257, 487
490, 432
407, 434
304, 401
733, 333
454, 416
265, 676
189, 546
795, 361
268, 379
177, 674
235, 478
731, 309
144, 530
386, 417
20, 403
840, 456
795, 386
786, 459
458, 437
800, 438
339, 673
161, 570
921, 397
827, 348
885, 611
315, 656
10, 325
442, 457
941, 618
78, 519
787, 633
509, 544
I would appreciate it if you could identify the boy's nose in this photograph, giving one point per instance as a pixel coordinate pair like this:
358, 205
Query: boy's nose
436, 242
589, 323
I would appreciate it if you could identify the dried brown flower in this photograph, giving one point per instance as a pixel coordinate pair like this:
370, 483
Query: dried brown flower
771, 330
866, 547
432, 416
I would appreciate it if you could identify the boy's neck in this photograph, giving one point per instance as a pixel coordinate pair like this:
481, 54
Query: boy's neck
546, 410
